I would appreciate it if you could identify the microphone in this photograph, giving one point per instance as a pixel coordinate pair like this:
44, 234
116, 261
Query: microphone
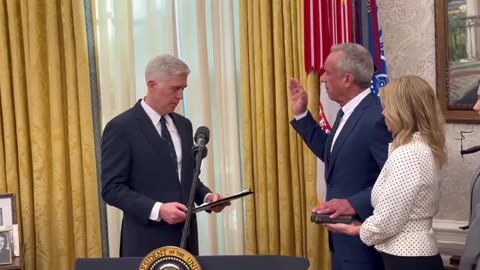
470, 150
202, 136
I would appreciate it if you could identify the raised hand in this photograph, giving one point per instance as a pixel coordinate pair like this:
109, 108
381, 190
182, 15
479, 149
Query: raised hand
299, 97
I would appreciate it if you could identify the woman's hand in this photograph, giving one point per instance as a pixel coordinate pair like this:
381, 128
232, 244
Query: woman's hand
350, 229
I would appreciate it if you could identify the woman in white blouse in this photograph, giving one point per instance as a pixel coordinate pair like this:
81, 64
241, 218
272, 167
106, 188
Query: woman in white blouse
405, 196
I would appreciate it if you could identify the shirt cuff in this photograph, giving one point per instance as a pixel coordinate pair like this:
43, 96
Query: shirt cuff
300, 116
205, 198
155, 213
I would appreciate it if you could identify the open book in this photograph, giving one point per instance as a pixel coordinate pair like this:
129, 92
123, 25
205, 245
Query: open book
208, 206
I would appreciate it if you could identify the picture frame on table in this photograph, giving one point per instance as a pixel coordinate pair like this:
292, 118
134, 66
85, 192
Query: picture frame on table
6, 242
1, 216
8, 220
8, 206
457, 39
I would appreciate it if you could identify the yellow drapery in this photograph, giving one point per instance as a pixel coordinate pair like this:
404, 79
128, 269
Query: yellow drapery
47, 152
278, 166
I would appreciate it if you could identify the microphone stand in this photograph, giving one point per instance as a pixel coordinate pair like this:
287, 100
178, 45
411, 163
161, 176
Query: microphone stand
200, 152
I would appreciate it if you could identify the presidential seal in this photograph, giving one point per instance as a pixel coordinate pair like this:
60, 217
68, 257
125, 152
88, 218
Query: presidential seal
169, 258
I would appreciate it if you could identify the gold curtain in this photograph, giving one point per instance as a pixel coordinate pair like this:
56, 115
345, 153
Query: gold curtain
279, 167
47, 152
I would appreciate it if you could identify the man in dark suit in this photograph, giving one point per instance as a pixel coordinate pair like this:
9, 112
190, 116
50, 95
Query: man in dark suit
148, 165
471, 253
353, 153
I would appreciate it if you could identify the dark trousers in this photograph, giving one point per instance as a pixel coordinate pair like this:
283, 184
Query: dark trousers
393, 262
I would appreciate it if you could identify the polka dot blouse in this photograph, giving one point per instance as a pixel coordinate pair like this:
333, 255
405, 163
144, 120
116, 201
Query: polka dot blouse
405, 198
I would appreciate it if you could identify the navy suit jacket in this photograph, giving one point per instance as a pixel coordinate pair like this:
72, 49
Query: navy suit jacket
356, 160
137, 171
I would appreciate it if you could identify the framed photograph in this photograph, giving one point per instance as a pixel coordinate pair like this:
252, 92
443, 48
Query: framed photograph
457, 36
9, 210
8, 220
5, 247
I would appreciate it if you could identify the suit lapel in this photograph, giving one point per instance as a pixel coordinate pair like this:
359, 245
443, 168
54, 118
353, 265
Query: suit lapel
148, 130
347, 130
181, 128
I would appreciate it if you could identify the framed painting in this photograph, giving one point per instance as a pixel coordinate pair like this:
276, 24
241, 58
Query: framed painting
457, 38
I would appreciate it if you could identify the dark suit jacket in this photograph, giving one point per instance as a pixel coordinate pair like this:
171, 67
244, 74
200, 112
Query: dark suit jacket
471, 253
357, 158
137, 172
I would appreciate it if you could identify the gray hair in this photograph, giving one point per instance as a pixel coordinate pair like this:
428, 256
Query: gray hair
357, 61
165, 66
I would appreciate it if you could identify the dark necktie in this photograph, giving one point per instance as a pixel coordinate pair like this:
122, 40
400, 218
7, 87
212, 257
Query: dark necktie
168, 140
328, 143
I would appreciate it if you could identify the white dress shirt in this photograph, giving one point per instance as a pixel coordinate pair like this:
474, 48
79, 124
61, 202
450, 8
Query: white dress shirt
177, 143
155, 117
405, 198
347, 111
